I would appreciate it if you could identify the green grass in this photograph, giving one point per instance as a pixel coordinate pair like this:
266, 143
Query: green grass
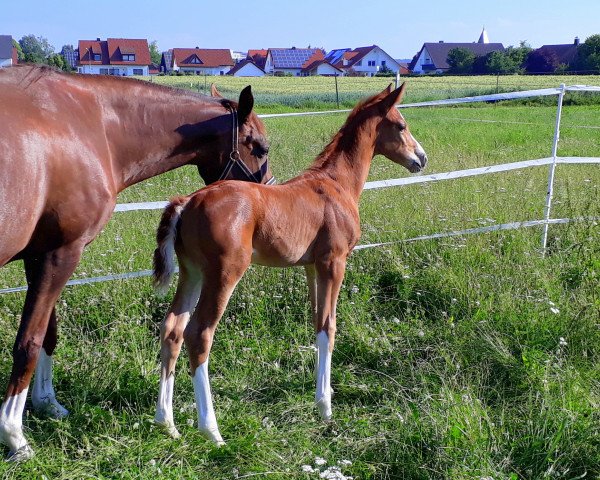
449, 361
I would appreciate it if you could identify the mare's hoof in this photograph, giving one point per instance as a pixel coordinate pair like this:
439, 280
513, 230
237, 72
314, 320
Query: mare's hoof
21, 455
169, 428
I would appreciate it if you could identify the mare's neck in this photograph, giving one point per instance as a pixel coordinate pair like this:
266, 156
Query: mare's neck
347, 158
157, 130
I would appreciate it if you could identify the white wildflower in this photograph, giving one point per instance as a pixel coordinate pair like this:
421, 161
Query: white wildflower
554, 310
354, 289
562, 342
320, 461
308, 469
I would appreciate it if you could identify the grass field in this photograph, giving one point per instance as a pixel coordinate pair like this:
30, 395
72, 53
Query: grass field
470, 357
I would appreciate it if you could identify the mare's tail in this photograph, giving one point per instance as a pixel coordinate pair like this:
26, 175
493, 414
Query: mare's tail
164, 255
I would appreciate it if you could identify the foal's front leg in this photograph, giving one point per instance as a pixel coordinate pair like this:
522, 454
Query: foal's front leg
171, 338
329, 276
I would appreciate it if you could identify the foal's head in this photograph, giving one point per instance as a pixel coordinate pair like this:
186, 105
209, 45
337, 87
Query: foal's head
394, 139
252, 145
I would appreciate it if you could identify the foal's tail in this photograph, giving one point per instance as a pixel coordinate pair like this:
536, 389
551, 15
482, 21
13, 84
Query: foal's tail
164, 255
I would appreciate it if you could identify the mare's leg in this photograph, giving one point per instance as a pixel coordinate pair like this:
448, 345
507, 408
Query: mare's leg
329, 274
46, 276
219, 282
43, 396
171, 339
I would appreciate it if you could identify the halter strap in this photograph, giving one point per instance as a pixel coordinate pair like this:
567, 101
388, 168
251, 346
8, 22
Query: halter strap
236, 160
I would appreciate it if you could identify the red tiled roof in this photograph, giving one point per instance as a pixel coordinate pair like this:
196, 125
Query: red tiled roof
259, 57
310, 67
315, 57
112, 51
124, 46
210, 57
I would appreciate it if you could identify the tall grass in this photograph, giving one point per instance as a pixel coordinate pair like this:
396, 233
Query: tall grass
461, 358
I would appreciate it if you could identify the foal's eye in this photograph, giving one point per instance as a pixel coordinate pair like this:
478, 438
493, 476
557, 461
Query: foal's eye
401, 126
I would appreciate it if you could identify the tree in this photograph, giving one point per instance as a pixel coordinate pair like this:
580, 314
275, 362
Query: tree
460, 60
510, 60
35, 49
155, 54
588, 54
58, 61
541, 60
20, 54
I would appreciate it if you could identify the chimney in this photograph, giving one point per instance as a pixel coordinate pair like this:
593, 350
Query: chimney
97, 39
576, 41
441, 41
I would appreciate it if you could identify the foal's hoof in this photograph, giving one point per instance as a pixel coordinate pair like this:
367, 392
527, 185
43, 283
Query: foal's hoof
50, 407
21, 455
324, 406
169, 428
213, 435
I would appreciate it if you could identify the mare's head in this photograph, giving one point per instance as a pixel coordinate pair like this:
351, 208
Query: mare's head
248, 146
394, 139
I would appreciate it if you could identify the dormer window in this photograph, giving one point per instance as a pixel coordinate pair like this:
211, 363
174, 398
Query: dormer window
195, 60
129, 57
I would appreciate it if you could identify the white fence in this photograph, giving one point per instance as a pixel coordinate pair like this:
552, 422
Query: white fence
552, 161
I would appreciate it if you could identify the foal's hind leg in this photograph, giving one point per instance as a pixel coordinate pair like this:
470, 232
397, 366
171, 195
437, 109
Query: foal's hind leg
43, 396
46, 275
218, 285
171, 338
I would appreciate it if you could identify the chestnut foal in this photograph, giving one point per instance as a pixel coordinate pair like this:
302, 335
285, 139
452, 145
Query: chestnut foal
311, 220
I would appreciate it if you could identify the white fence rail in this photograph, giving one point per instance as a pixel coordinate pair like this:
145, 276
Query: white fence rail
553, 160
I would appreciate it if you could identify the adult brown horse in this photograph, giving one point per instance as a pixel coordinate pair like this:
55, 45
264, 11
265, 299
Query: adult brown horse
69, 144
311, 220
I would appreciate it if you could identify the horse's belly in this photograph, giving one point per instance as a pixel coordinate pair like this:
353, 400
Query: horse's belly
279, 256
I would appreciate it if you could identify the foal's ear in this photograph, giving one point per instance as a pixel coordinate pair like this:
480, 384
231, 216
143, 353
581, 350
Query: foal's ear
245, 104
214, 92
393, 97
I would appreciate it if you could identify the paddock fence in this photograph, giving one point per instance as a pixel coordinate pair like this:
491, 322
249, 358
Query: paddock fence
552, 161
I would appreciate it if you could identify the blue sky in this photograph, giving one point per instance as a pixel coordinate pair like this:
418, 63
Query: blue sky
398, 26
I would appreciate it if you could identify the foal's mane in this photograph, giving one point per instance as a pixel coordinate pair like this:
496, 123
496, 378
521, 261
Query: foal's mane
341, 139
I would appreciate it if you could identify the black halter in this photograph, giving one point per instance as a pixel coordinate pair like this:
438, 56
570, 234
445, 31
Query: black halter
236, 169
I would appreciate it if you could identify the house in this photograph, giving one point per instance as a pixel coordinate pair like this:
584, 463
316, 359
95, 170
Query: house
433, 57
288, 61
70, 55
565, 53
246, 68
197, 61
114, 56
8, 53
364, 61
259, 57
317, 65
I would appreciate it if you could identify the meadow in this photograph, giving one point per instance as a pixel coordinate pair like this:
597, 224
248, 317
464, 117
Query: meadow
458, 358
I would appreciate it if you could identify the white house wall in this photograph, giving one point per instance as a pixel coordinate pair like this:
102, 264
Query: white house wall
120, 70
325, 69
424, 59
249, 70
378, 56
5, 62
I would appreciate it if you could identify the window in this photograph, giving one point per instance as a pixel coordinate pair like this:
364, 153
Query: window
129, 57
138, 71
383, 63
104, 71
97, 57
371, 63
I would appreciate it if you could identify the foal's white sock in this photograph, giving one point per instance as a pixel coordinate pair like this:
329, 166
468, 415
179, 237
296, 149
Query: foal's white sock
207, 421
323, 395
